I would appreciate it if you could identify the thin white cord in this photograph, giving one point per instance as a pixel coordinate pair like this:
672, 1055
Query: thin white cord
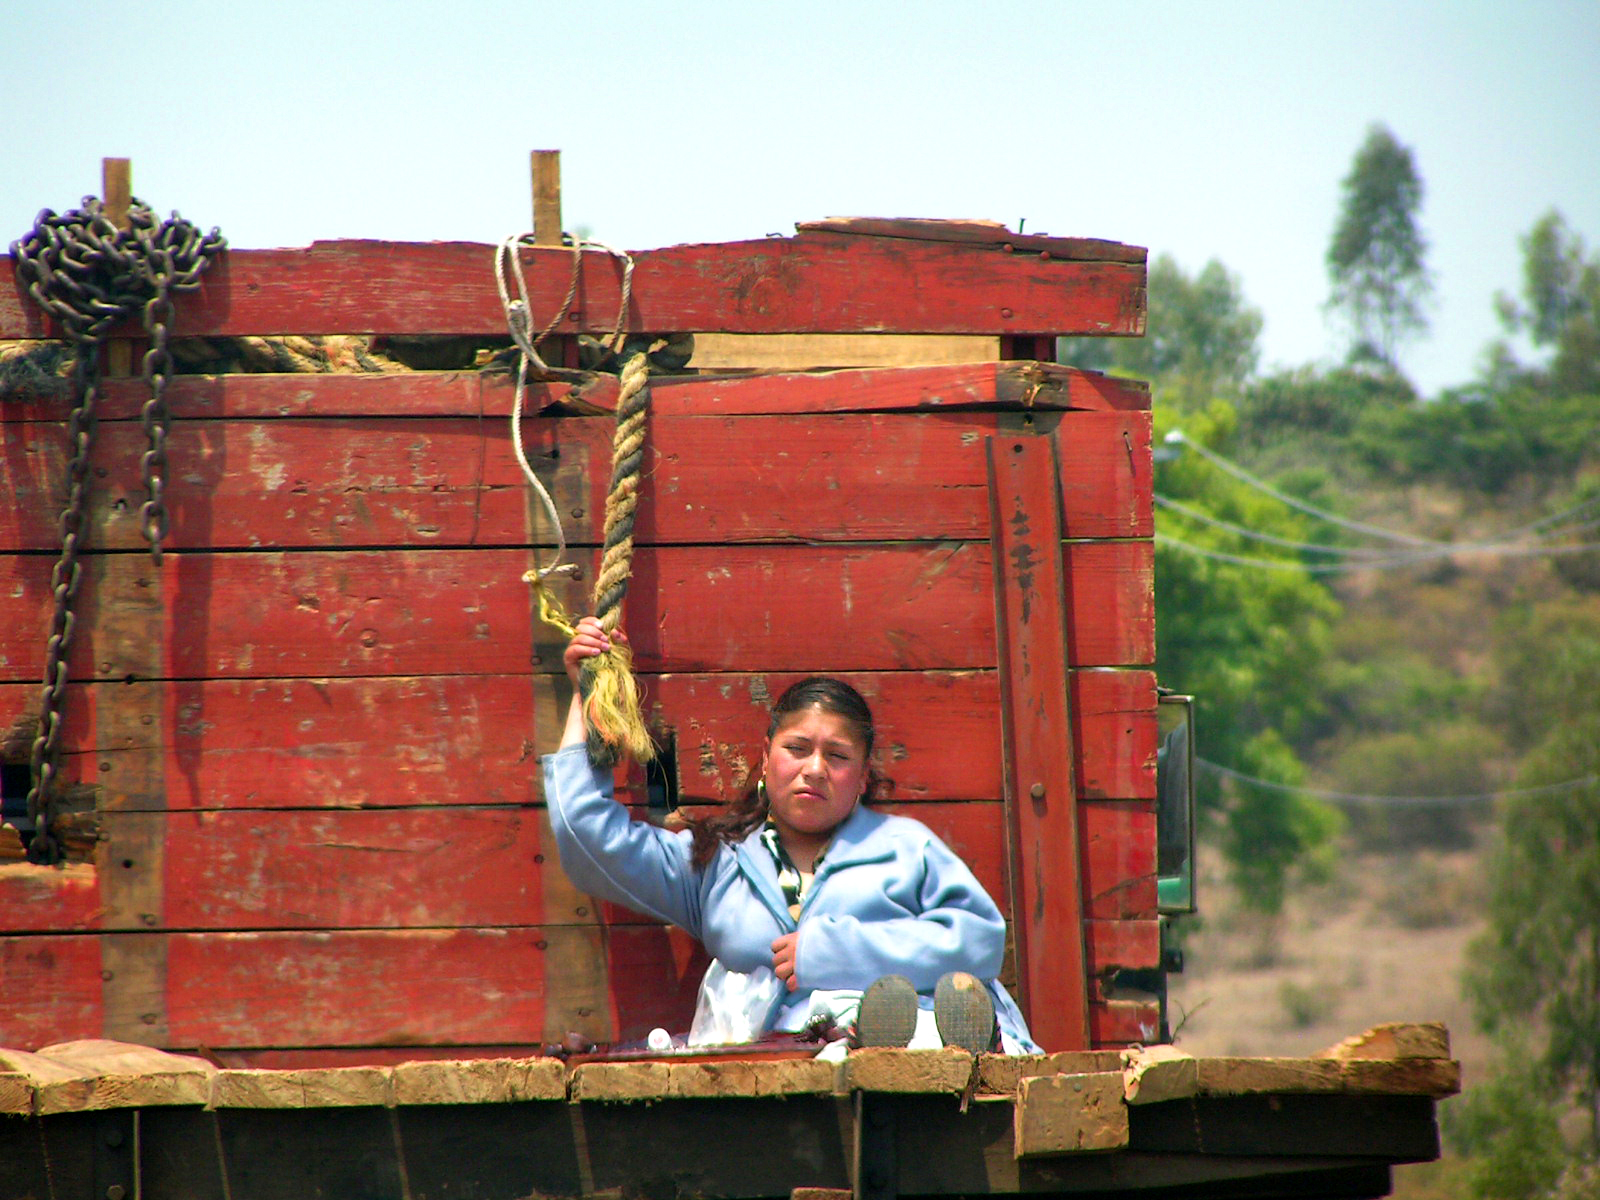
1399, 801
507, 262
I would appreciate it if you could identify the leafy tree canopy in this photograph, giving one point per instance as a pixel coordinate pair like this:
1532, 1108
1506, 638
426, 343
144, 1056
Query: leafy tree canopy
1376, 260
1249, 643
1538, 965
1560, 309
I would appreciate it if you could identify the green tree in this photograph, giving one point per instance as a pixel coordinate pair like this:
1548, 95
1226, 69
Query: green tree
1202, 339
1537, 967
1376, 258
1560, 309
1509, 1131
1249, 643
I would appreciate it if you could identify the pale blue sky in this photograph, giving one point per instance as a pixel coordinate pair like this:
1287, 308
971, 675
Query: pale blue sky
1200, 129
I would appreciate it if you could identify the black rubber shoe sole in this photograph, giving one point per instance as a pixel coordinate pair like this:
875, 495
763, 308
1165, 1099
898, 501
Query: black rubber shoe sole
964, 1012
888, 1013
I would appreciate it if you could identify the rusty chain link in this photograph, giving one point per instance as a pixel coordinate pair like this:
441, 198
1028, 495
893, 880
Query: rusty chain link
88, 275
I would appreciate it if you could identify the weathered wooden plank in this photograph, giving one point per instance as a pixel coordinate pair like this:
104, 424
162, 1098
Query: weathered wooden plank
1117, 852
315, 1087
948, 1070
1124, 1022
1111, 944
449, 612
59, 899
469, 986
1393, 1041
1069, 1114
446, 740
1041, 786
815, 283
16, 1094
52, 989
110, 1074
418, 987
276, 869
1154, 1074
984, 233
832, 351
302, 482
1438, 1077
480, 1081
965, 386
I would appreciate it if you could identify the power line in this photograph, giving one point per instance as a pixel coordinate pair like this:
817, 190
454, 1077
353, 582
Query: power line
1261, 485
1385, 563
1548, 789
1394, 561
1177, 436
1256, 534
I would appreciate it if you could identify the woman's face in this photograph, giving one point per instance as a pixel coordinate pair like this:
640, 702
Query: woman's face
815, 768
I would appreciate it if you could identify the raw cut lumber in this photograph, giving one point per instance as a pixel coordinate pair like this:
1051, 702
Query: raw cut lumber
1066, 1114
1398, 1040
93, 1074
480, 1081
312, 1087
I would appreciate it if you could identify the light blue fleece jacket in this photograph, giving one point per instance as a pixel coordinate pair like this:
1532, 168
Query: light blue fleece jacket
889, 898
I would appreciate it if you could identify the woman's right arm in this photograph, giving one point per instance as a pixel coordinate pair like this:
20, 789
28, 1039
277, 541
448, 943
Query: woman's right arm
603, 850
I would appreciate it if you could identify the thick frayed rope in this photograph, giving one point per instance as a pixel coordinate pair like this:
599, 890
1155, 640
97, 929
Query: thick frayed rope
611, 700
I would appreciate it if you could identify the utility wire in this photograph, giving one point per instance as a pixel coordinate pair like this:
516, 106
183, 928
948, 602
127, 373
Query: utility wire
1548, 789
1362, 564
1500, 540
1261, 485
1256, 534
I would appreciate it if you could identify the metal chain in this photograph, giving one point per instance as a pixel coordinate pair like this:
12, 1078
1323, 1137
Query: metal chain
89, 275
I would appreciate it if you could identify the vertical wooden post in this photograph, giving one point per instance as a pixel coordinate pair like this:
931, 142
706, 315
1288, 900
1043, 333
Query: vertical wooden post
116, 187
560, 349
1036, 717
116, 192
547, 197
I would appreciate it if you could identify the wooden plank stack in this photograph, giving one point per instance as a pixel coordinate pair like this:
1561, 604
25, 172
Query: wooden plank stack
306, 745
920, 1122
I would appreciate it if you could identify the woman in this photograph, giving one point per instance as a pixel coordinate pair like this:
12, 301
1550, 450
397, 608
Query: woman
845, 905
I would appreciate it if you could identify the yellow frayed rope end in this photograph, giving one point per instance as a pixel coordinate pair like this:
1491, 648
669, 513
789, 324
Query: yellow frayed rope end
612, 710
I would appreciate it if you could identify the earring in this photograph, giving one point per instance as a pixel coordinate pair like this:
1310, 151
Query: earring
761, 791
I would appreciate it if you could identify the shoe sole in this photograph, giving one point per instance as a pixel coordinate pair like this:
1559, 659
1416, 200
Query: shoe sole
964, 1013
888, 1013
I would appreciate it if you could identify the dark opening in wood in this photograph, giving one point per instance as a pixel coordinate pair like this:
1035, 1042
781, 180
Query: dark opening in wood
661, 775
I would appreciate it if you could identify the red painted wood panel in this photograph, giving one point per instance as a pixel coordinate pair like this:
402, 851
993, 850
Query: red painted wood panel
1127, 944
1124, 1022
436, 612
968, 386
438, 867
1041, 788
455, 481
1117, 849
52, 989
448, 740
397, 987
458, 986
49, 899
809, 284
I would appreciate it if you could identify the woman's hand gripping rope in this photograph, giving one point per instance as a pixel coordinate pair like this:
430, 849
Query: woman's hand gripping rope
595, 658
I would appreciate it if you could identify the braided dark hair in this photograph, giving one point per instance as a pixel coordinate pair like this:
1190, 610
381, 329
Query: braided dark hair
749, 811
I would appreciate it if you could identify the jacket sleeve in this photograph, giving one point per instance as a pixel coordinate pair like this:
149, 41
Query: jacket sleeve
958, 928
608, 854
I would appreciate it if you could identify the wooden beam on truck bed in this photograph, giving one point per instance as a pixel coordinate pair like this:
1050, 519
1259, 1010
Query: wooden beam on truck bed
940, 1122
815, 282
